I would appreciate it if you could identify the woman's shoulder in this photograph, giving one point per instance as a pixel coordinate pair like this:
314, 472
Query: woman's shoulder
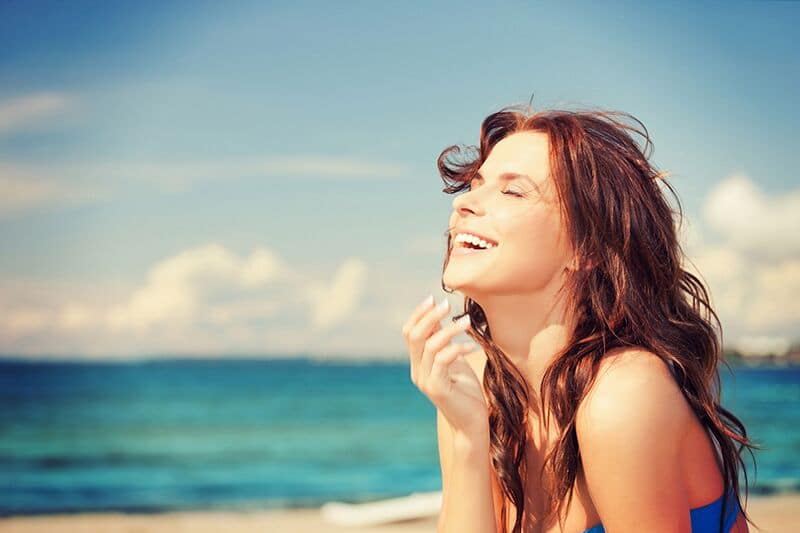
633, 390
631, 358
632, 428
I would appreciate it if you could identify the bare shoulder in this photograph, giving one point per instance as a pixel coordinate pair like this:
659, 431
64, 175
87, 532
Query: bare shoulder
633, 388
630, 428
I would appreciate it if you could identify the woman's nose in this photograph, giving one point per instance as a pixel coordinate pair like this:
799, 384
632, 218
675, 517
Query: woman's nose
467, 201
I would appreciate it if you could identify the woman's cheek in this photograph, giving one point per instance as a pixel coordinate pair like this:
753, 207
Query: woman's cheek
534, 254
529, 252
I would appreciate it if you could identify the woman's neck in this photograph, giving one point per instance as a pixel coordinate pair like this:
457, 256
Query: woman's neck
531, 329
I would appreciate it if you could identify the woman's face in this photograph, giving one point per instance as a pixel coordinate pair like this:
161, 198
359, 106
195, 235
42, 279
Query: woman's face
532, 244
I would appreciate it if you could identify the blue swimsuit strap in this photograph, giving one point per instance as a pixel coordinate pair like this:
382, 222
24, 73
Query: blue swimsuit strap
705, 519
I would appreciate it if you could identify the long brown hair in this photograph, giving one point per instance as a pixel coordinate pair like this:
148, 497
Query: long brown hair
634, 291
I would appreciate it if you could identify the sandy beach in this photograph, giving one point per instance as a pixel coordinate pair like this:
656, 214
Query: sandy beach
774, 514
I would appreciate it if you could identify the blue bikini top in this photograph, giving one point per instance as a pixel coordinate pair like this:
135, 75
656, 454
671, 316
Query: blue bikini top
705, 519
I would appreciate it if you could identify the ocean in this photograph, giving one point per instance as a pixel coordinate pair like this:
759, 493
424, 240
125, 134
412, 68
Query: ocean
159, 435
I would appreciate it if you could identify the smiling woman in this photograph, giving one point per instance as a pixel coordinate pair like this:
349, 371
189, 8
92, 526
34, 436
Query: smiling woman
598, 357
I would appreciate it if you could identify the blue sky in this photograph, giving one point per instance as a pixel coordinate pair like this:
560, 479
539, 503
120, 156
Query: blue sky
247, 177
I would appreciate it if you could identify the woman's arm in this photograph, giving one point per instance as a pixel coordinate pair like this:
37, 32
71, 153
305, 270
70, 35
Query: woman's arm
467, 500
630, 427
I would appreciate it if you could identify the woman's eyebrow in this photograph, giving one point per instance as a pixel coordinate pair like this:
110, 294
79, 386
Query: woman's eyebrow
508, 176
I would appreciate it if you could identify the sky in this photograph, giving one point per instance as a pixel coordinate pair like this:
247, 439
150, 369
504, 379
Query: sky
259, 178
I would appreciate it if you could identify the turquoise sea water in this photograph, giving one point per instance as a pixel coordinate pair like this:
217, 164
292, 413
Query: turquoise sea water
178, 434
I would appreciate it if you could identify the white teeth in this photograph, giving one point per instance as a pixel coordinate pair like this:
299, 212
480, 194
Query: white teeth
473, 239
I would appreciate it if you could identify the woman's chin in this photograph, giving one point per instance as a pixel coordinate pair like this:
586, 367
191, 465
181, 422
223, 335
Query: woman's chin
467, 287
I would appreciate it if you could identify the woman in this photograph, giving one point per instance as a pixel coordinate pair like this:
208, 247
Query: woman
596, 373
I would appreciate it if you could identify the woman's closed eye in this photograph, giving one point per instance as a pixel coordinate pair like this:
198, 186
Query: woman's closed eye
511, 192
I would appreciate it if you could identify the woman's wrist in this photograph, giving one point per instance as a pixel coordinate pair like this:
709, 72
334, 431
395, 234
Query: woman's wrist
472, 443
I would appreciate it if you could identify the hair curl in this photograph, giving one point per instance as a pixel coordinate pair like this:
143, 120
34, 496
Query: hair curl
636, 293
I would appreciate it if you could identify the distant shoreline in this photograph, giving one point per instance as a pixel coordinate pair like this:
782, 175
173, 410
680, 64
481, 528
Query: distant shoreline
777, 513
755, 493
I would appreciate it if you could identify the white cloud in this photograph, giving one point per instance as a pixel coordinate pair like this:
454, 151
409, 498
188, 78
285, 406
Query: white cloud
776, 301
753, 222
204, 300
750, 261
760, 345
22, 190
31, 109
74, 316
24, 321
178, 288
334, 302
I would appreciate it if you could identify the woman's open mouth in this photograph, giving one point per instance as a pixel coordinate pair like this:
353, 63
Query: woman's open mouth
467, 244
462, 250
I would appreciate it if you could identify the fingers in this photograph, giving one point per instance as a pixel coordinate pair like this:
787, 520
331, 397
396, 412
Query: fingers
439, 369
426, 304
420, 310
427, 323
438, 380
422, 329
438, 341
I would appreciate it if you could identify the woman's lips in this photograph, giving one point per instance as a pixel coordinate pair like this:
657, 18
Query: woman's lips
465, 250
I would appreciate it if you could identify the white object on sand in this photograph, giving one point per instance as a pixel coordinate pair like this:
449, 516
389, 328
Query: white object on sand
414, 506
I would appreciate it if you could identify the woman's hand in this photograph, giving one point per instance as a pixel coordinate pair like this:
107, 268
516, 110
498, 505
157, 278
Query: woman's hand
439, 371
